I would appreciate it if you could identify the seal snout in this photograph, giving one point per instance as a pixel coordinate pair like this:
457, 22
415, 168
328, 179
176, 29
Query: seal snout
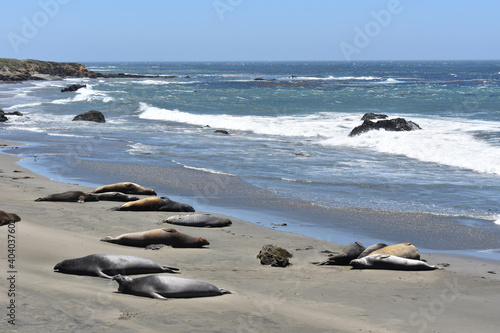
203, 241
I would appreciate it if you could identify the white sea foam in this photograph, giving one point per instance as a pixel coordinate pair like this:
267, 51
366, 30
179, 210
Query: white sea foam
20, 106
203, 169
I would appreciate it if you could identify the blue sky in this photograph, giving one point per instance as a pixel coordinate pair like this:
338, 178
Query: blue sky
239, 30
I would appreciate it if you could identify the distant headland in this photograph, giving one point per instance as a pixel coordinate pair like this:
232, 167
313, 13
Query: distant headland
14, 70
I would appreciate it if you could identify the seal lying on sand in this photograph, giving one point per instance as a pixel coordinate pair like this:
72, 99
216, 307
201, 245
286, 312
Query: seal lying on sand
105, 265
371, 248
198, 220
163, 287
167, 236
158, 204
6, 218
127, 188
115, 196
351, 251
403, 250
70, 196
386, 261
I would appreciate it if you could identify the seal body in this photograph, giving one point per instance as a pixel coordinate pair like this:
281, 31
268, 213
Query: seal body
127, 188
403, 250
163, 287
166, 236
386, 261
6, 218
371, 248
115, 196
198, 220
108, 265
159, 204
70, 196
349, 252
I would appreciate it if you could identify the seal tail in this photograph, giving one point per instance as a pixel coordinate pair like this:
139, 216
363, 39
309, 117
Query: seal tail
170, 269
225, 291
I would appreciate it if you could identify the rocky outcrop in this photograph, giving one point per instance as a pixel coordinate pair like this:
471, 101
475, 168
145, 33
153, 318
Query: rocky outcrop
274, 256
370, 116
3, 118
397, 124
92, 115
73, 87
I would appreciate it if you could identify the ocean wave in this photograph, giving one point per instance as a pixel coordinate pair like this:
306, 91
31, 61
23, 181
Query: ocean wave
217, 172
87, 94
20, 106
162, 82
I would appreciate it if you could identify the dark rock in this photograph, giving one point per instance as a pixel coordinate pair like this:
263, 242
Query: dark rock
398, 124
3, 118
73, 87
259, 79
92, 115
14, 113
274, 256
222, 132
370, 116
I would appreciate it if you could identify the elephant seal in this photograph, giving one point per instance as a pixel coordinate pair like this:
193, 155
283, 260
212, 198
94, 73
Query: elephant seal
70, 196
349, 252
163, 287
104, 265
115, 196
166, 236
387, 261
6, 218
127, 188
157, 204
371, 248
198, 220
403, 250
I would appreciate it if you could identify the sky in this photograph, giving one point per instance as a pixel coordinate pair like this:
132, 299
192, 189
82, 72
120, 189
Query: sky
249, 30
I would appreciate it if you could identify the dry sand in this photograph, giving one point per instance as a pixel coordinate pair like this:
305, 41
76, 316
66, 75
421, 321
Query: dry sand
463, 297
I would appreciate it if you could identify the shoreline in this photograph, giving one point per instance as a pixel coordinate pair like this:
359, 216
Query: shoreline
462, 297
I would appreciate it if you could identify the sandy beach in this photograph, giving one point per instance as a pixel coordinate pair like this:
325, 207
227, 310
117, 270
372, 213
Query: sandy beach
462, 297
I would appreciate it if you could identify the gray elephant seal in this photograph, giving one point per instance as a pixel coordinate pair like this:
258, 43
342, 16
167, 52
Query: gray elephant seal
108, 265
163, 287
157, 204
166, 236
115, 196
403, 250
70, 196
198, 220
386, 261
349, 252
6, 218
371, 248
127, 188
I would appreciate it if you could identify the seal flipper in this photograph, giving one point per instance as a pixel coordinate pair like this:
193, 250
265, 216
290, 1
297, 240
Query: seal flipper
170, 269
157, 296
101, 274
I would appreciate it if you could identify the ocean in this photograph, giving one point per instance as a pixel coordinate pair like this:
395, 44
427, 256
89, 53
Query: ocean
287, 161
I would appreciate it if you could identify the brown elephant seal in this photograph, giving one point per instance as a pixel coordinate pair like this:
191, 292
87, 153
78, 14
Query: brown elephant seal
108, 265
386, 261
156, 204
166, 236
349, 252
163, 287
371, 248
198, 220
127, 188
115, 196
7, 218
70, 196
403, 250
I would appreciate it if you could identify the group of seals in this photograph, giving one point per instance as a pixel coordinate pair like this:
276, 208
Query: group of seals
6, 218
166, 236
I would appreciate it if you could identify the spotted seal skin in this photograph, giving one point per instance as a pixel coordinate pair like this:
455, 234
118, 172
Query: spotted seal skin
115, 196
166, 236
156, 204
386, 261
403, 250
7, 218
198, 220
126, 187
70, 196
164, 287
349, 252
108, 265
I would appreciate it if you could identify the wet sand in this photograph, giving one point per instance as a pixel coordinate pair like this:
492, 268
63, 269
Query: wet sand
462, 297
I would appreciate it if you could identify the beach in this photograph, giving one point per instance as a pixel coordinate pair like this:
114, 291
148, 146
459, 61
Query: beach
462, 297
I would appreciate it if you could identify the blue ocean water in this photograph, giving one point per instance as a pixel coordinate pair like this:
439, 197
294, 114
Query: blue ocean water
288, 125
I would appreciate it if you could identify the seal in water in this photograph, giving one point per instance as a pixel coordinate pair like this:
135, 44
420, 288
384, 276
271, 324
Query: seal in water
163, 287
115, 196
166, 236
198, 220
387, 261
107, 265
127, 188
349, 252
70, 196
158, 204
6, 218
